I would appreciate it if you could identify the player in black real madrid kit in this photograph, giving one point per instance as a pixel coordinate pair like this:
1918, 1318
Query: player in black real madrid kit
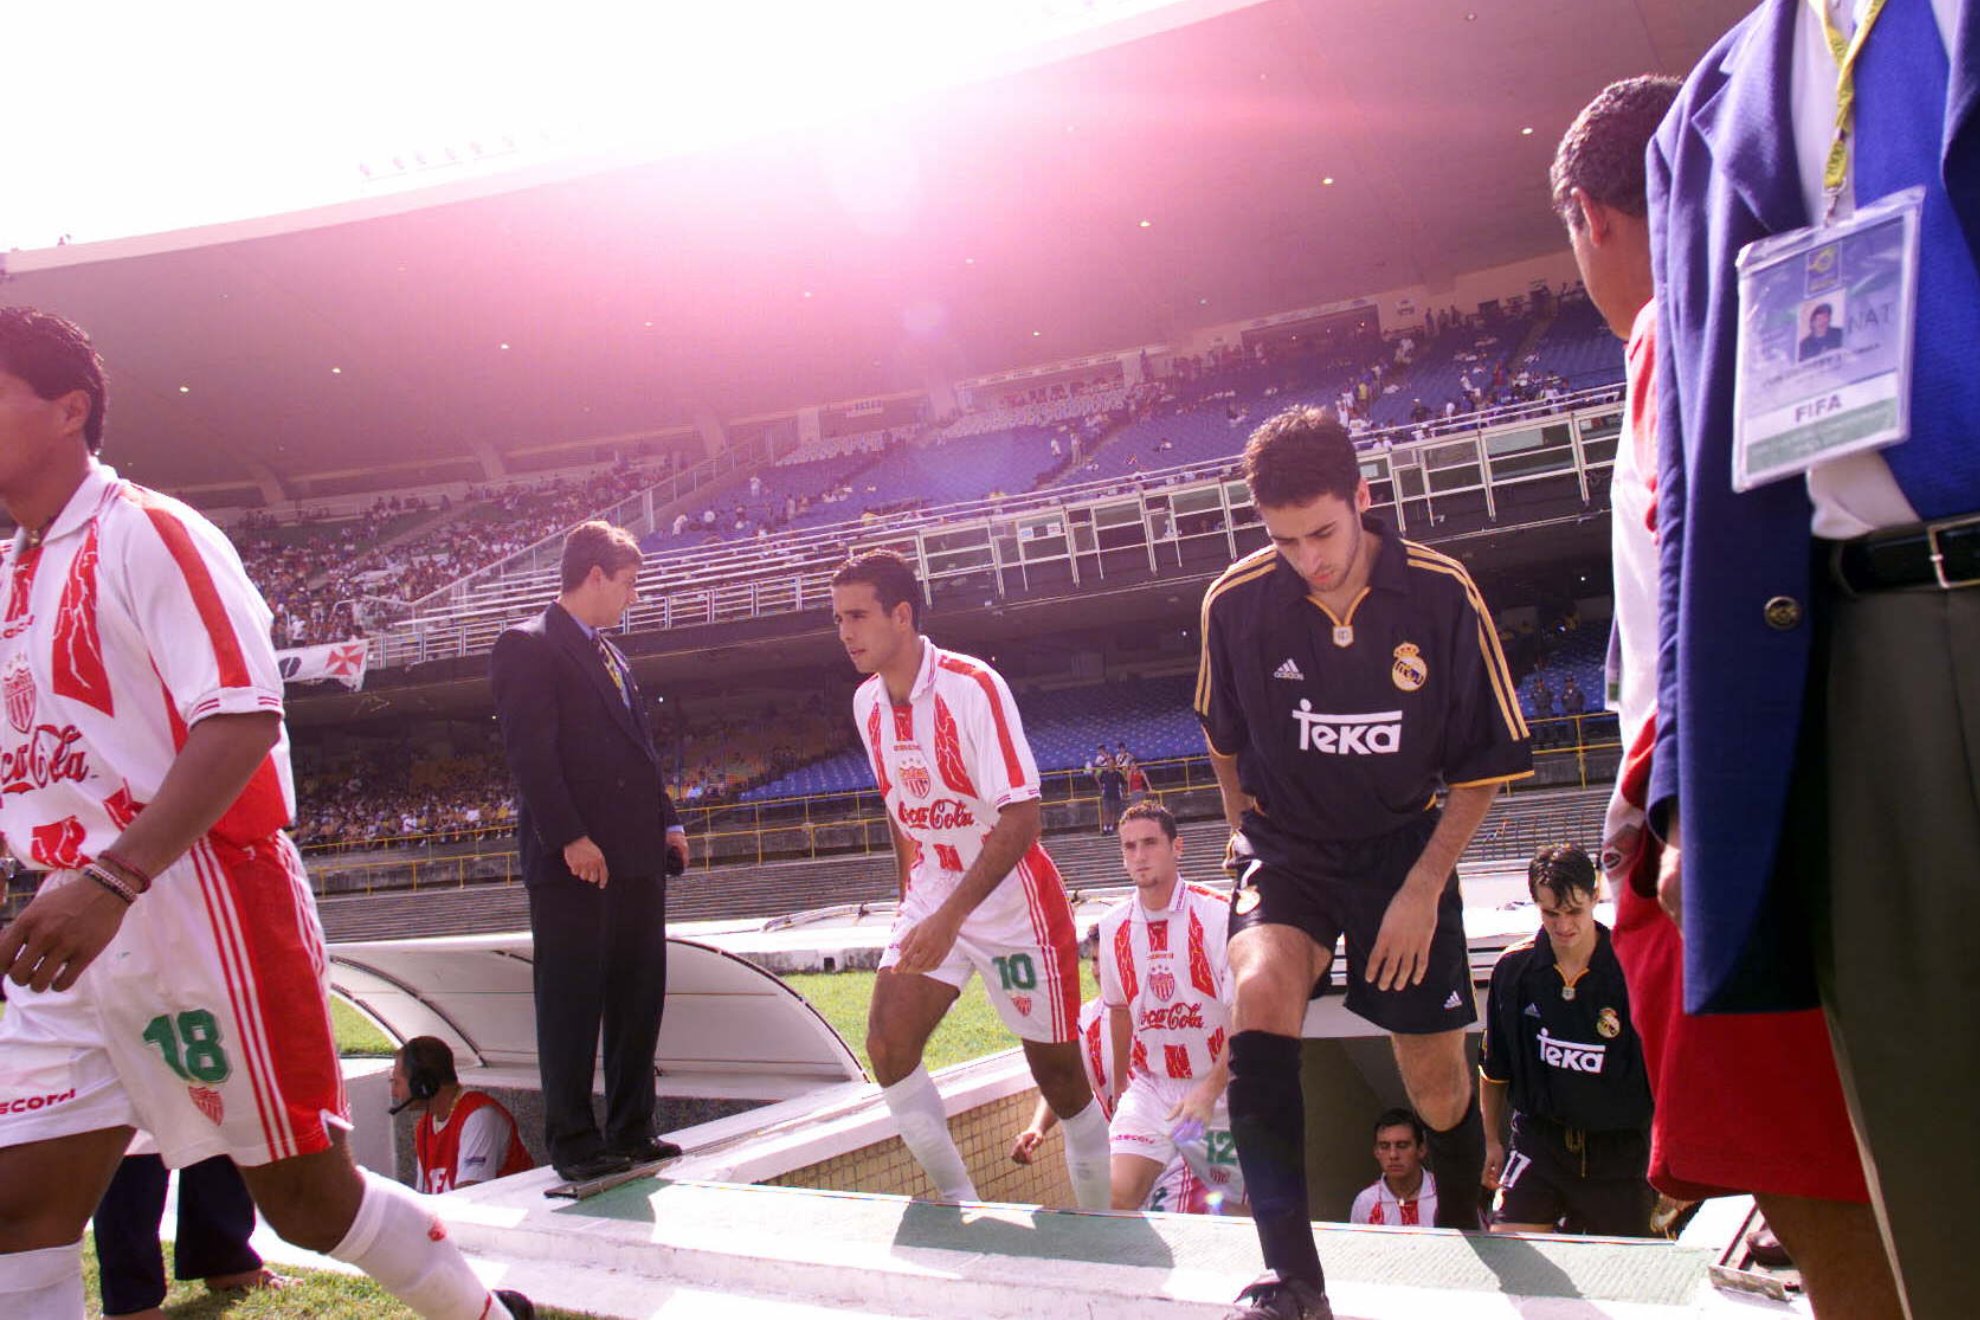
1347, 675
1559, 1044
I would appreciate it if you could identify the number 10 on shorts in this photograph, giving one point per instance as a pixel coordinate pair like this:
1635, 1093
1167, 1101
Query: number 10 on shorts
190, 1043
1017, 972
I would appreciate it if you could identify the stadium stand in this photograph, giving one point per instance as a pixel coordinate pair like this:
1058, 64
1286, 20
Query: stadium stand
983, 465
286, 561
1038, 414
888, 475
1579, 346
335, 580
1152, 716
1439, 372
771, 499
1197, 427
1578, 654
324, 579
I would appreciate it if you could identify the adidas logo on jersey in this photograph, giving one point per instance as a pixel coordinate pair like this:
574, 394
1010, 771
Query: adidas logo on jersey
1453, 1002
1289, 670
1531, 1011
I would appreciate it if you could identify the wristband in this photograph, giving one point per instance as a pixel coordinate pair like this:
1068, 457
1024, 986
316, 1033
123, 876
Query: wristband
140, 880
115, 884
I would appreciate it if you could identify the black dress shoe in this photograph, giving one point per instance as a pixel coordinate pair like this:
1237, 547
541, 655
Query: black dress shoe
651, 1151
592, 1167
519, 1306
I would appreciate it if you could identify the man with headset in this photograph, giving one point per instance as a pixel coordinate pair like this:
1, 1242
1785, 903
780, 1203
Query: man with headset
464, 1137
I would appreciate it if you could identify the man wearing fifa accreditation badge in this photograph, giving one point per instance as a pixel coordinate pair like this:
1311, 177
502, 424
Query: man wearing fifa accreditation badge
1347, 675
1560, 1046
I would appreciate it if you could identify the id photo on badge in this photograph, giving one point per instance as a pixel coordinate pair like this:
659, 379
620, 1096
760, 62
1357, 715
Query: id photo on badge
1822, 321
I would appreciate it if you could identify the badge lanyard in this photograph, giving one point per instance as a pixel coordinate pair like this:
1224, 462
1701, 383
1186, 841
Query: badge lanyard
1835, 170
1827, 313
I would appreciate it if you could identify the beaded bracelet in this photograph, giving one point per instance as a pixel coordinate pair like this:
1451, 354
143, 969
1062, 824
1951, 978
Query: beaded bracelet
139, 878
114, 884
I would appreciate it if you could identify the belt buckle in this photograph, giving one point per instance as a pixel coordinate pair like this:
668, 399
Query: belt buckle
1932, 531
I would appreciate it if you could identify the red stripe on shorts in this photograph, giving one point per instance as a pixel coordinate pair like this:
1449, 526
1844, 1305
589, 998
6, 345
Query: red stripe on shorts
212, 888
1052, 920
285, 953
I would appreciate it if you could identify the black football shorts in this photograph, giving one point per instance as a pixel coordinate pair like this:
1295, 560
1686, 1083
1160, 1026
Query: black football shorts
1340, 890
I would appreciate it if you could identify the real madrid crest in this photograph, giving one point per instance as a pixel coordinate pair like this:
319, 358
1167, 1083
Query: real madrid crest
1409, 672
1609, 1023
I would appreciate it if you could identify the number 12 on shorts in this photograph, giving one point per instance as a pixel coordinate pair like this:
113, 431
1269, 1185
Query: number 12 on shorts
191, 1045
1017, 972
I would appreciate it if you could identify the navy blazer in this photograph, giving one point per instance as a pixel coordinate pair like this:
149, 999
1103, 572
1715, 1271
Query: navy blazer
583, 760
1731, 676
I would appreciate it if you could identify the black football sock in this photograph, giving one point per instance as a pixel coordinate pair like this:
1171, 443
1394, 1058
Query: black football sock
1268, 1119
1458, 1157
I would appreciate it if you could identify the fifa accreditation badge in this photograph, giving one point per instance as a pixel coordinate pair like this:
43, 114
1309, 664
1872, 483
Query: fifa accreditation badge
1609, 1023
1409, 672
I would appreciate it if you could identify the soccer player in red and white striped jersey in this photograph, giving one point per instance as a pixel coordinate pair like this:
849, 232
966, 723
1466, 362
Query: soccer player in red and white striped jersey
170, 973
1166, 985
978, 893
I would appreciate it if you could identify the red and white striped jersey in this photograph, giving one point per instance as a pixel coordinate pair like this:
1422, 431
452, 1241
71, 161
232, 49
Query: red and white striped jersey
1633, 643
947, 761
1096, 1052
1376, 1204
1168, 969
129, 623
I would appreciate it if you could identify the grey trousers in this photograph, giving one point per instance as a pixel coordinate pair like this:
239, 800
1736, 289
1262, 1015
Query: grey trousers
1897, 932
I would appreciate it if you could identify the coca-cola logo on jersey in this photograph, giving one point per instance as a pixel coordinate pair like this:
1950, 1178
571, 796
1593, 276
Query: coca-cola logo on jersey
1162, 984
1176, 1017
17, 683
49, 756
941, 814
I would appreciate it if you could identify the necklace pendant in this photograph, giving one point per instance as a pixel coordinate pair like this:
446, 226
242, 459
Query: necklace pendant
1567, 992
1344, 635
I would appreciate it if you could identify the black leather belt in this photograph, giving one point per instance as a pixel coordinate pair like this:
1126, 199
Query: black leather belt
1942, 555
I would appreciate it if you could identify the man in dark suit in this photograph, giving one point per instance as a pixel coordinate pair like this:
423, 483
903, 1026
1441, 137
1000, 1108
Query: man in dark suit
1815, 686
594, 829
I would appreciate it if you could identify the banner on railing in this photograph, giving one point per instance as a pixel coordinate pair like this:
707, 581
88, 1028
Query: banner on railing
342, 662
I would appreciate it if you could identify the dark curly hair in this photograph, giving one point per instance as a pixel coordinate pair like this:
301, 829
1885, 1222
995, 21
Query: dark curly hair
54, 356
1298, 456
1602, 152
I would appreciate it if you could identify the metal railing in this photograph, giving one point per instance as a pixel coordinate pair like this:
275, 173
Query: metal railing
1580, 751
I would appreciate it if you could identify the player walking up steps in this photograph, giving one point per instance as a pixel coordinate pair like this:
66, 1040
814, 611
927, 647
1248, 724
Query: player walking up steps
1164, 980
170, 973
1347, 675
977, 891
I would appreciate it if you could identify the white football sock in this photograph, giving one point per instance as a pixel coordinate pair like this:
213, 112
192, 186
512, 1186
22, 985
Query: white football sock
924, 1127
1087, 1158
403, 1245
42, 1285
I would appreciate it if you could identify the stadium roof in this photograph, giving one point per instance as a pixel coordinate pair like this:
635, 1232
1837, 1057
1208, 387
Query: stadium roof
971, 231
